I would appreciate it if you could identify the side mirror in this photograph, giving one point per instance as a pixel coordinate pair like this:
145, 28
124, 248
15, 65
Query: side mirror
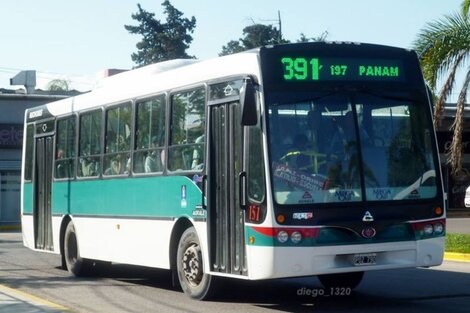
248, 103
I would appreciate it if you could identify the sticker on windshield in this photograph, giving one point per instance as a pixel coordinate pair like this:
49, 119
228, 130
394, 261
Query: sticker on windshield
344, 195
414, 194
300, 180
382, 193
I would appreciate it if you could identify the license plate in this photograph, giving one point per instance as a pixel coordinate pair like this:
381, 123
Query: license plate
362, 259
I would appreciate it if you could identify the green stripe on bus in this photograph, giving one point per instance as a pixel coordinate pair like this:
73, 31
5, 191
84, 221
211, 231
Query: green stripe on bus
169, 196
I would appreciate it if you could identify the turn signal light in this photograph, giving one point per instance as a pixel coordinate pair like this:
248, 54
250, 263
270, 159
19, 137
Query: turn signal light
281, 218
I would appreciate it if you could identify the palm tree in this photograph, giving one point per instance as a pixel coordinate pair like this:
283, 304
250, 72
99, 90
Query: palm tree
444, 47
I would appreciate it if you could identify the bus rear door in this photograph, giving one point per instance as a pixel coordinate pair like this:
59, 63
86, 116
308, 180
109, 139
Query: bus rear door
42, 180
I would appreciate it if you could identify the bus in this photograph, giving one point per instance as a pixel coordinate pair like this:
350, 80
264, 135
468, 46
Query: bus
308, 159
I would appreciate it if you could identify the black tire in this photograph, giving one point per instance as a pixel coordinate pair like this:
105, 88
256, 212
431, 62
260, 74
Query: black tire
74, 263
341, 280
189, 264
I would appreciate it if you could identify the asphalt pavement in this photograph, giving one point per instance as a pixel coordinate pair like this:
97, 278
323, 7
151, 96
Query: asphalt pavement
14, 301
458, 225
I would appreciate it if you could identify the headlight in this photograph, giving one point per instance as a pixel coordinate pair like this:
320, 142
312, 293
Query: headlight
296, 237
282, 236
438, 228
428, 230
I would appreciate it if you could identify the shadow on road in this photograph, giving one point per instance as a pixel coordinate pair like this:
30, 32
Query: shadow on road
409, 290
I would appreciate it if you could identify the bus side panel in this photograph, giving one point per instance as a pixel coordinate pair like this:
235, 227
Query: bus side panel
127, 220
27, 228
27, 216
130, 241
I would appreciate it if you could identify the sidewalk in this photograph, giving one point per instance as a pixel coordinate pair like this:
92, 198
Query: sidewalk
15, 301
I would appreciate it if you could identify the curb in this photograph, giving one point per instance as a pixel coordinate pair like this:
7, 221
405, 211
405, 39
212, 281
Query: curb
29, 302
459, 257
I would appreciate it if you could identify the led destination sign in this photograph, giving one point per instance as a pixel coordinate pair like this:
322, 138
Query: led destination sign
299, 69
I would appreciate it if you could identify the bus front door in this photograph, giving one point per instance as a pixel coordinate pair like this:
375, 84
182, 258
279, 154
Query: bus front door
226, 218
42, 193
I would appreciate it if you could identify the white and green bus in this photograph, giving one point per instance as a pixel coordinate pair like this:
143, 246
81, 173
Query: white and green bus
283, 161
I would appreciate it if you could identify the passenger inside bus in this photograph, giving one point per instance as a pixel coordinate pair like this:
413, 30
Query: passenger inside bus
197, 162
153, 161
114, 167
88, 167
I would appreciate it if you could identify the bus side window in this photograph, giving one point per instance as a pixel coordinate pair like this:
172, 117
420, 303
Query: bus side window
28, 164
186, 148
256, 184
65, 148
117, 140
150, 136
90, 144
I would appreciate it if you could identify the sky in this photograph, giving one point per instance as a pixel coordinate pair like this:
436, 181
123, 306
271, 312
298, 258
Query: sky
77, 40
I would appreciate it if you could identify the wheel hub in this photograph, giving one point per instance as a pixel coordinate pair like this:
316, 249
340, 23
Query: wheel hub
192, 266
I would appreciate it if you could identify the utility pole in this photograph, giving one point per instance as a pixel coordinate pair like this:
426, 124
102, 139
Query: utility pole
280, 25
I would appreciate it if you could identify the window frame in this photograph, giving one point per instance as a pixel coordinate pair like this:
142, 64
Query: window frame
74, 118
99, 156
164, 143
204, 88
28, 169
104, 146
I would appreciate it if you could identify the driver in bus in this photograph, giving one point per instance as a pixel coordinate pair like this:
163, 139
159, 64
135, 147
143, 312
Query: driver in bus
314, 123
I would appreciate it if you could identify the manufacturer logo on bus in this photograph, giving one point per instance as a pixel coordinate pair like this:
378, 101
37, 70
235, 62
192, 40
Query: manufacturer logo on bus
367, 217
34, 114
368, 232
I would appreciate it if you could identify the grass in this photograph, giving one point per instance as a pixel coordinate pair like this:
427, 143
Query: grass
459, 243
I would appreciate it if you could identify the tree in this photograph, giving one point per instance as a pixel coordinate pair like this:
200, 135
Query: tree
443, 47
258, 35
58, 85
255, 35
161, 41
304, 38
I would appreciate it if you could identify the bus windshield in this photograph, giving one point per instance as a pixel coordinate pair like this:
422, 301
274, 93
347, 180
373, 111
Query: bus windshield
350, 147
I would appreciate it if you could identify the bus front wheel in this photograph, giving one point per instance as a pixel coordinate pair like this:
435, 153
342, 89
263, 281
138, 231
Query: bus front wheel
74, 263
189, 263
341, 280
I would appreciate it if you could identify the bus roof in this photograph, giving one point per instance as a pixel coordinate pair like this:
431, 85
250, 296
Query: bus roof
175, 74
156, 78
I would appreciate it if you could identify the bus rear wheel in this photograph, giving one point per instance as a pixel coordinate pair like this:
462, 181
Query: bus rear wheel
189, 264
74, 263
341, 280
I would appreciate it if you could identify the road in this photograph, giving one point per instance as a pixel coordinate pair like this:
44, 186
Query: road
135, 289
458, 225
